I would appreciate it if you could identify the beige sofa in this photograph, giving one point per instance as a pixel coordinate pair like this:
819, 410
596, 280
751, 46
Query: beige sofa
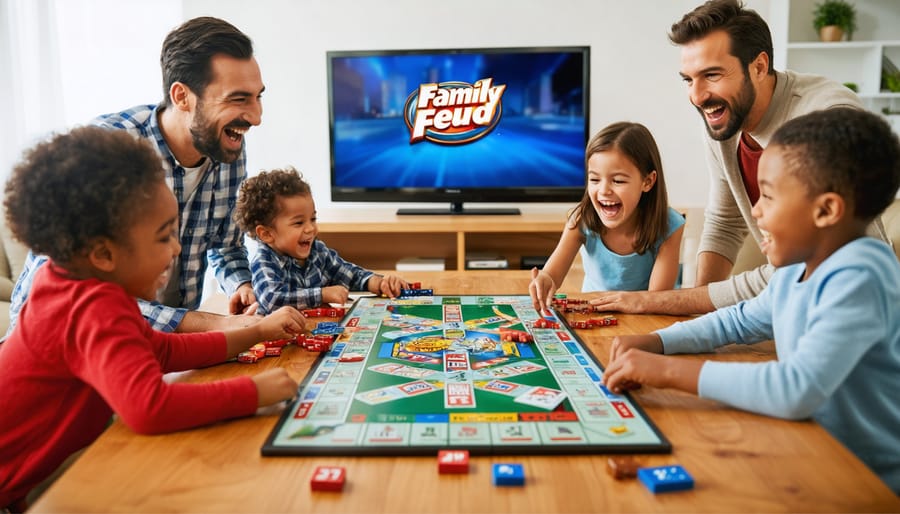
12, 258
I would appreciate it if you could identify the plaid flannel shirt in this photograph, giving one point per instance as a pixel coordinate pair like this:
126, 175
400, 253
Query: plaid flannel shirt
278, 280
209, 236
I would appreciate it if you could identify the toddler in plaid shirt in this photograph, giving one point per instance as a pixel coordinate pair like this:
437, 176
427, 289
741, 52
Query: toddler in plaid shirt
291, 266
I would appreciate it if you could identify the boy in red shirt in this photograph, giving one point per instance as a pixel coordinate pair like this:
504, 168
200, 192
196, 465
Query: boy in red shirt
96, 202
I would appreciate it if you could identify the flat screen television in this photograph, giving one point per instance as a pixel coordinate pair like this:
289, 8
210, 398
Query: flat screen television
458, 125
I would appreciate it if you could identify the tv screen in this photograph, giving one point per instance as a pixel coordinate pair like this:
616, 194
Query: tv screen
455, 126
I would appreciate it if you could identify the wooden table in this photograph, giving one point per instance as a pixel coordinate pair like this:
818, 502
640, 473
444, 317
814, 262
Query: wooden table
741, 462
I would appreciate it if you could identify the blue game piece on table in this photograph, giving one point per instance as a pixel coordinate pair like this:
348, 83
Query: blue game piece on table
508, 474
328, 328
663, 479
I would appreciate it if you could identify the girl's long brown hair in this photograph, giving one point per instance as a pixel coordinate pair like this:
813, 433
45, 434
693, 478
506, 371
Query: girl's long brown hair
636, 143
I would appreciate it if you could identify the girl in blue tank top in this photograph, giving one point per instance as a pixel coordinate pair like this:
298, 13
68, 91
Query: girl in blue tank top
628, 235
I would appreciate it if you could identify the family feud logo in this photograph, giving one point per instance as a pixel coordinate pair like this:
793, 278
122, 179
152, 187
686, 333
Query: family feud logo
453, 113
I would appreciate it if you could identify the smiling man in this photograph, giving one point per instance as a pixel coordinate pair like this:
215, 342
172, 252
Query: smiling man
212, 90
726, 64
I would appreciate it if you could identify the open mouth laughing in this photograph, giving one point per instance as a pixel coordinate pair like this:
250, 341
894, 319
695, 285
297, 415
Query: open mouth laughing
236, 134
609, 209
714, 113
766, 240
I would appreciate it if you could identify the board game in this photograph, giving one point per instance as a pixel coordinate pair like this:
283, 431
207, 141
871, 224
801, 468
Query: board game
489, 374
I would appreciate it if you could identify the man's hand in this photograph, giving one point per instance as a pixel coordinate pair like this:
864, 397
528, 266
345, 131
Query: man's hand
620, 301
200, 321
243, 301
237, 321
679, 302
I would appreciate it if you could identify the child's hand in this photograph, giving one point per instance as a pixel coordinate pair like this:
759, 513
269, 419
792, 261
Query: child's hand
335, 294
636, 361
621, 345
388, 285
647, 342
243, 301
541, 289
281, 324
273, 386
631, 369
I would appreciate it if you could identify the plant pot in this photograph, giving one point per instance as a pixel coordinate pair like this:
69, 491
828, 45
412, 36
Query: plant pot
831, 33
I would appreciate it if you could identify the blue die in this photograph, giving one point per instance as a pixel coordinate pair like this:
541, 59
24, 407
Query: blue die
508, 474
665, 478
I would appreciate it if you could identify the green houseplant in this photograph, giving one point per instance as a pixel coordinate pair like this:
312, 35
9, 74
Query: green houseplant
834, 13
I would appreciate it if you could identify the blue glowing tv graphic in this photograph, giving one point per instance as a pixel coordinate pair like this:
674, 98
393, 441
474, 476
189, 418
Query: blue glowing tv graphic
487, 125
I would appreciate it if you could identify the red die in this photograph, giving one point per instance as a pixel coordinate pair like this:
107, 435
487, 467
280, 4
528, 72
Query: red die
453, 461
328, 478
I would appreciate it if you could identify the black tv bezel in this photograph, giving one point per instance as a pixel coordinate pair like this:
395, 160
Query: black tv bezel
455, 196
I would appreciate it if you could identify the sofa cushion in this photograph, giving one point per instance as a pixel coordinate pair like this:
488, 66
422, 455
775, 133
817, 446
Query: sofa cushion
12, 260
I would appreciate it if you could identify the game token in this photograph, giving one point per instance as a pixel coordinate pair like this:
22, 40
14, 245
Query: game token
453, 461
328, 478
622, 467
351, 357
664, 479
247, 357
318, 347
278, 343
508, 474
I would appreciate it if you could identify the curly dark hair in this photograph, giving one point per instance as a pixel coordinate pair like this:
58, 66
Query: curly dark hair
749, 33
258, 201
77, 187
847, 151
188, 50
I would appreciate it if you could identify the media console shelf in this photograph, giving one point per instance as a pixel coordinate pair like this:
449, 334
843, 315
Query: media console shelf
376, 238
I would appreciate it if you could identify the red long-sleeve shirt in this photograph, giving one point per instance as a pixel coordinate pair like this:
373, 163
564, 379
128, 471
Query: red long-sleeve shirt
81, 352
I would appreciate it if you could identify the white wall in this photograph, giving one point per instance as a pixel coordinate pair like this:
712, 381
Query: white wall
109, 61
634, 68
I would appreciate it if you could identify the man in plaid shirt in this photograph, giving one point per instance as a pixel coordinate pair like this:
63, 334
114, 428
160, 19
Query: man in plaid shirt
212, 87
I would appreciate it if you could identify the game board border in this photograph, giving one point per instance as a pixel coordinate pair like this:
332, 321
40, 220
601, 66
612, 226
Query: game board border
269, 449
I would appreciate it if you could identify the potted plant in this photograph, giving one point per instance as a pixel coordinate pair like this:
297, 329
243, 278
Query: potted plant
832, 18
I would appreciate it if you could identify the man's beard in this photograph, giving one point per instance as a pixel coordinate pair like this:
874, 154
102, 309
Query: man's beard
738, 111
206, 138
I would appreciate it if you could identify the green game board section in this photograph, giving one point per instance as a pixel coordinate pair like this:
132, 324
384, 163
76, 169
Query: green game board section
438, 372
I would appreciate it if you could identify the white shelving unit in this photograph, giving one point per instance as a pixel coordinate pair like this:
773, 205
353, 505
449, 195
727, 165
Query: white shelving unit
858, 61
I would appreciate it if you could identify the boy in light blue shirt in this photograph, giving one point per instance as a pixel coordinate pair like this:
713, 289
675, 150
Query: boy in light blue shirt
832, 307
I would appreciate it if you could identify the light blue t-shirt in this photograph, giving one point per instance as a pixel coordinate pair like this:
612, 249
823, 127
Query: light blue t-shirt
605, 270
837, 336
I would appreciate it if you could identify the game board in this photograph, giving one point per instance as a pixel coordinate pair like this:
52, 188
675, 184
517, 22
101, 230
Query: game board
415, 375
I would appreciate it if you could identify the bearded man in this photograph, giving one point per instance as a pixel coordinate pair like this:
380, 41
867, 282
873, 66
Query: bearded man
212, 90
